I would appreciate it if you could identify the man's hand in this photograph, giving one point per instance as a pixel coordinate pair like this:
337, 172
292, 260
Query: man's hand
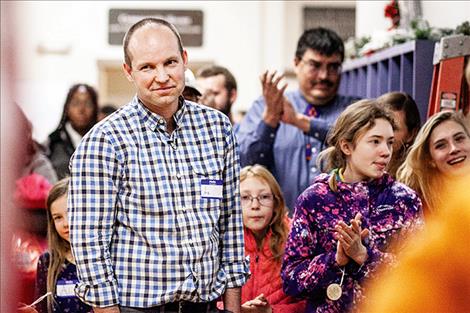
257, 305
109, 309
290, 116
350, 238
273, 97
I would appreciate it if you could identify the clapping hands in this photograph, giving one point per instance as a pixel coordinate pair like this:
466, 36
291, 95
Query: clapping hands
349, 245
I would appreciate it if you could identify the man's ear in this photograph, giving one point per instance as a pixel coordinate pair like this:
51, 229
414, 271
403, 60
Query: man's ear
233, 95
127, 71
184, 55
346, 147
296, 64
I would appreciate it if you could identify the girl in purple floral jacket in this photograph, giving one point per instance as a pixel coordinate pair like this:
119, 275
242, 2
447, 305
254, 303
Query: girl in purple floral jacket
345, 222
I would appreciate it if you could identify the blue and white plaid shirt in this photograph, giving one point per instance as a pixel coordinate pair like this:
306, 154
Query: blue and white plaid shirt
141, 233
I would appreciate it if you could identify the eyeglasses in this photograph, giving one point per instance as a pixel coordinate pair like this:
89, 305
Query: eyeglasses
263, 199
316, 67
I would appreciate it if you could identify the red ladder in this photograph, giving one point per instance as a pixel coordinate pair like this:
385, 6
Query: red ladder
449, 90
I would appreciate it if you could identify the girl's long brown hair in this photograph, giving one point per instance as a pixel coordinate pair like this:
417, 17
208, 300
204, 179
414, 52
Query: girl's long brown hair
357, 119
279, 226
58, 247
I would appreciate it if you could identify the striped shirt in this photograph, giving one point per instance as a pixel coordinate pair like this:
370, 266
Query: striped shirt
141, 231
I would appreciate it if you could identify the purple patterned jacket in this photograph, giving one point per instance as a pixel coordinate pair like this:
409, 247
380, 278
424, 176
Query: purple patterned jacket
390, 211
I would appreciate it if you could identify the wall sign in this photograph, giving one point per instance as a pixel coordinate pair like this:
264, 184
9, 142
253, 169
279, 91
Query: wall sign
188, 22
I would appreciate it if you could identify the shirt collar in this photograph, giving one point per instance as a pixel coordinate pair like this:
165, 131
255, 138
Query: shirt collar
155, 121
74, 136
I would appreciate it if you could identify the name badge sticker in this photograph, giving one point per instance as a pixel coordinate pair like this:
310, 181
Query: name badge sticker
66, 288
211, 188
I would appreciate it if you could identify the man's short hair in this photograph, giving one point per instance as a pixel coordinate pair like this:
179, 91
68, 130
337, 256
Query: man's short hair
322, 40
141, 23
214, 70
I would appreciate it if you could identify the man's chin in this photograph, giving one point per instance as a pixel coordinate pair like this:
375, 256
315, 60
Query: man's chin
320, 98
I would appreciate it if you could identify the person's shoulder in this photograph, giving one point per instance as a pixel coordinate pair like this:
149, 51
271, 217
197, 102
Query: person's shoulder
44, 259
319, 187
345, 100
204, 113
120, 120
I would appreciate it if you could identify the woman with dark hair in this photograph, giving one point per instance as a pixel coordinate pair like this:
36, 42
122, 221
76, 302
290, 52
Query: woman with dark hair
407, 120
78, 117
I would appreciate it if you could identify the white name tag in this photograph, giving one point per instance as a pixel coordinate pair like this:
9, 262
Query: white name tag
65, 288
211, 188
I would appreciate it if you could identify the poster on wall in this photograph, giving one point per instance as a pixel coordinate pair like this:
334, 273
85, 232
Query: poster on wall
188, 22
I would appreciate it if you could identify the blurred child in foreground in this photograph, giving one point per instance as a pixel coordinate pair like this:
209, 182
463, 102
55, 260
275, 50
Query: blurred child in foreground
433, 274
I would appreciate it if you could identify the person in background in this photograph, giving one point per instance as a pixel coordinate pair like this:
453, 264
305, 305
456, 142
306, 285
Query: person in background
78, 117
286, 132
35, 160
191, 90
154, 206
219, 88
266, 226
105, 110
56, 271
352, 220
440, 153
408, 122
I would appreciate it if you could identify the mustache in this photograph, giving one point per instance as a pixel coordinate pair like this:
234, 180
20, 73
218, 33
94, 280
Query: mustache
326, 82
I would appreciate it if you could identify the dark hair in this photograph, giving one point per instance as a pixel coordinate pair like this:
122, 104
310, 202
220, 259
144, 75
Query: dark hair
323, 40
401, 101
107, 109
94, 99
214, 70
141, 23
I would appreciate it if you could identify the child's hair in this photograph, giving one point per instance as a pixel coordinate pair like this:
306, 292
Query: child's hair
358, 118
58, 247
416, 172
278, 224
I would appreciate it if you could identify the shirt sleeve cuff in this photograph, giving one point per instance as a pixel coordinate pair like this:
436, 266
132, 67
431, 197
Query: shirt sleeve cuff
99, 295
318, 129
237, 273
266, 133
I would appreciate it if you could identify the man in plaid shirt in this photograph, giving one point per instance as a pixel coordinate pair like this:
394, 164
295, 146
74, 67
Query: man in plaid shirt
155, 218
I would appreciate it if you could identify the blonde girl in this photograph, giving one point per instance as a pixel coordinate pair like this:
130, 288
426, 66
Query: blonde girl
56, 268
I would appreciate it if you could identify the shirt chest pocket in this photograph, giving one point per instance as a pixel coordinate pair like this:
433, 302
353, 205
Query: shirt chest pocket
386, 226
207, 180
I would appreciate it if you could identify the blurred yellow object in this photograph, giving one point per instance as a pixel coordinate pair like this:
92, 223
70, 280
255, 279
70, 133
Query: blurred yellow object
433, 273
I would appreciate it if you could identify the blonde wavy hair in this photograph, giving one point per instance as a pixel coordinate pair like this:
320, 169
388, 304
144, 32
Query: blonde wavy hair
279, 226
417, 171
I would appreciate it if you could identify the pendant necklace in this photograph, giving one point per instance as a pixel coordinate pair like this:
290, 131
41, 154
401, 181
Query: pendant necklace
334, 291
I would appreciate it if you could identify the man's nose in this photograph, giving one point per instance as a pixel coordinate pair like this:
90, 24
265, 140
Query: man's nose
161, 75
323, 72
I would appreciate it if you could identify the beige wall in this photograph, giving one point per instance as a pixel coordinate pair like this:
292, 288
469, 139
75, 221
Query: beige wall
248, 37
